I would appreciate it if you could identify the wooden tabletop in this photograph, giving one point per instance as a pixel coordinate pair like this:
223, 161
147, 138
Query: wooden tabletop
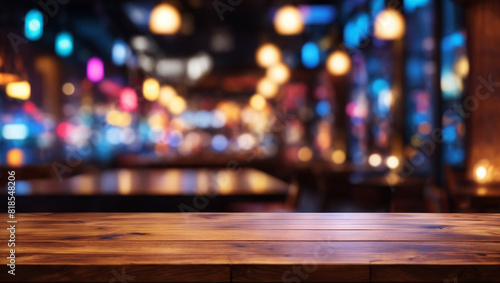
243, 247
158, 182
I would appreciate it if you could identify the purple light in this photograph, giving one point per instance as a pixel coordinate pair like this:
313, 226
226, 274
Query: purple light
95, 69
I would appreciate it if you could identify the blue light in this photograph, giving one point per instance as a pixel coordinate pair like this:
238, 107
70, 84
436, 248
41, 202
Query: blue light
64, 44
119, 53
419, 118
219, 142
449, 134
453, 40
317, 14
356, 30
323, 108
113, 135
453, 155
33, 25
175, 138
380, 85
351, 35
415, 70
203, 119
15, 132
411, 5
310, 55
377, 6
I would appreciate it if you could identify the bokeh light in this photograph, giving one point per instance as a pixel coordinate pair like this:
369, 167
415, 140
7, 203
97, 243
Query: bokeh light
268, 55
338, 63
165, 19
288, 20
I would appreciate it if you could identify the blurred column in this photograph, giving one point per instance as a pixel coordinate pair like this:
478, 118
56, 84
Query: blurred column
481, 105
50, 70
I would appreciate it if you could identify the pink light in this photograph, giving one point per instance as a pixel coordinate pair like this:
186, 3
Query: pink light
64, 129
29, 107
95, 69
128, 99
110, 88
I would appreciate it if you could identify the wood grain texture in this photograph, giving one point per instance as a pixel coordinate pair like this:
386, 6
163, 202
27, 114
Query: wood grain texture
251, 247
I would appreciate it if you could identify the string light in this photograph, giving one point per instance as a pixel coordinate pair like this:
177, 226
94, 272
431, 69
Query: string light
177, 105
167, 93
258, 102
279, 73
392, 162
338, 63
288, 21
164, 19
267, 88
267, 55
389, 25
375, 160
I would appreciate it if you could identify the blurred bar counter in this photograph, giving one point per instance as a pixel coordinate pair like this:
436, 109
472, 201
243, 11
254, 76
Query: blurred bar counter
169, 190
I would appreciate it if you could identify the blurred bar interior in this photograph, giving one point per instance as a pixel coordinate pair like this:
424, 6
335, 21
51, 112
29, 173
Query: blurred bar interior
314, 106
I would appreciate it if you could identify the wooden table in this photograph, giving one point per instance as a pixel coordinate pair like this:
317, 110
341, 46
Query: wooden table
158, 189
275, 247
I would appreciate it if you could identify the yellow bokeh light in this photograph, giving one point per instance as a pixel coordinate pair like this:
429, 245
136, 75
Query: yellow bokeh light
267, 55
118, 118
68, 88
231, 111
165, 19
158, 121
151, 89
279, 73
482, 171
19, 90
177, 105
375, 160
462, 66
258, 102
389, 25
338, 63
305, 154
392, 162
15, 157
167, 93
288, 21
267, 88
338, 156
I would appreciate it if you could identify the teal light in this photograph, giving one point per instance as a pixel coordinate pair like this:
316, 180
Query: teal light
33, 25
64, 44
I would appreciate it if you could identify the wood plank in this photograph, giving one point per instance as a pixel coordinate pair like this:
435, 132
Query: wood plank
245, 247
253, 252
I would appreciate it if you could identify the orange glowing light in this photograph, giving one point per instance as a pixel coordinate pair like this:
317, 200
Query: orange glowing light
15, 157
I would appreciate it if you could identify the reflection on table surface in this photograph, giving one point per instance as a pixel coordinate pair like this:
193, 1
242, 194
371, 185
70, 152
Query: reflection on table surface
158, 182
